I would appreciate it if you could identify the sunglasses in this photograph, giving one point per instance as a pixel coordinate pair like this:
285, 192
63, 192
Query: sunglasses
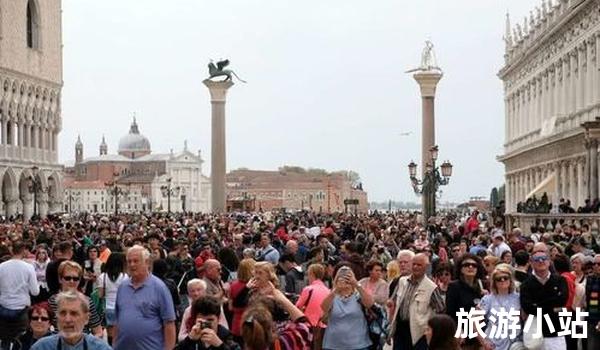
597, 264
40, 318
455, 250
501, 279
473, 265
71, 278
541, 258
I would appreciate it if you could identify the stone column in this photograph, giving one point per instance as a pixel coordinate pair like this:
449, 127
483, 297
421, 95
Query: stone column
574, 87
42, 204
572, 184
218, 95
507, 188
581, 190
593, 169
427, 81
597, 70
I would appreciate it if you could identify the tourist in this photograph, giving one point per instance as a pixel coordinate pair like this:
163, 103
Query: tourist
592, 305
196, 289
69, 273
467, 290
144, 307
17, 281
108, 284
502, 297
375, 285
237, 303
440, 332
73, 314
203, 329
39, 325
409, 318
260, 331
545, 290
347, 327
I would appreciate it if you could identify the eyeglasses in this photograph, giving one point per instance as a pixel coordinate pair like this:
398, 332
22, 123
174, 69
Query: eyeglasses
472, 265
541, 258
71, 278
501, 278
597, 263
40, 318
455, 250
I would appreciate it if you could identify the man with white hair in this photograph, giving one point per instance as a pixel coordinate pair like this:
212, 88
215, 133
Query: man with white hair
404, 259
72, 316
144, 307
196, 289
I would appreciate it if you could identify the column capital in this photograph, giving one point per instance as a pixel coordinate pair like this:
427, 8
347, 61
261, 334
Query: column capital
218, 89
428, 82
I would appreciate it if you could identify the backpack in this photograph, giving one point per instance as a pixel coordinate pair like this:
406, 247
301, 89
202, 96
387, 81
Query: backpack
378, 325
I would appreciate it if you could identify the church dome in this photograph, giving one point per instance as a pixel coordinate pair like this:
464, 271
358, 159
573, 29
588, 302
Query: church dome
134, 142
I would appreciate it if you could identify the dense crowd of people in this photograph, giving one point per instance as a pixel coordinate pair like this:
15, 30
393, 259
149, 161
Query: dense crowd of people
304, 280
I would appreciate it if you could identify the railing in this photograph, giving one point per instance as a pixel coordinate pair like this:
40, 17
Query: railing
551, 221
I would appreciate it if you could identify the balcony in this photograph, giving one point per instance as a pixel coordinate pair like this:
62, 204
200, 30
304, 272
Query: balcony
551, 221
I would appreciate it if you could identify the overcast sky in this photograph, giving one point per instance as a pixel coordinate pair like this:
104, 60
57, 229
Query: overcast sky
326, 83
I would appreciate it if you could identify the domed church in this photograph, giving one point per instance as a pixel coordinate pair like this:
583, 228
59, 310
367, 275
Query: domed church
144, 181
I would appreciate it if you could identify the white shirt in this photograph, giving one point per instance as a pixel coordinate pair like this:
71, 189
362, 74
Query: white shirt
110, 288
17, 281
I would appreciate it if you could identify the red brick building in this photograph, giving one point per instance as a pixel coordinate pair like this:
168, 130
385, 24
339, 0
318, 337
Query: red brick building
293, 190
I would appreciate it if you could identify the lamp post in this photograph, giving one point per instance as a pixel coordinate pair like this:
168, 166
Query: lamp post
433, 178
35, 187
116, 191
168, 191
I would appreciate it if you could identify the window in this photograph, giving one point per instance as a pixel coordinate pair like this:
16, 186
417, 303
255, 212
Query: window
32, 25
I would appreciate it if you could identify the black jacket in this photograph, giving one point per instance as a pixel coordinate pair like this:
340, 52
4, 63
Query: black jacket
222, 333
550, 297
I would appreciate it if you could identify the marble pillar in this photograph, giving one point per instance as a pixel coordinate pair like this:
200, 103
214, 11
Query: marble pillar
427, 81
218, 95
581, 190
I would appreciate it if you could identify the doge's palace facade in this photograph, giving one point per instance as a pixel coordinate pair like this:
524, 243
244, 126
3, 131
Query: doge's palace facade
551, 88
30, 110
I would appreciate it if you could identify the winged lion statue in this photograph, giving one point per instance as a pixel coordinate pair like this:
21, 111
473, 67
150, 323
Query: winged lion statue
219, 71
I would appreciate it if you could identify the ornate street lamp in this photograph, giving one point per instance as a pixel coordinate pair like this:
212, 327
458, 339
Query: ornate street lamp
115, 191
168, 191
433, 178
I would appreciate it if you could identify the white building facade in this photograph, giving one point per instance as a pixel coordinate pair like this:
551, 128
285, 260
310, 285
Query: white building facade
551, 88
30, 109
146, 181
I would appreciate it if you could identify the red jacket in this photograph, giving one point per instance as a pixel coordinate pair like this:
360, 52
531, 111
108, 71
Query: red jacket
571, 287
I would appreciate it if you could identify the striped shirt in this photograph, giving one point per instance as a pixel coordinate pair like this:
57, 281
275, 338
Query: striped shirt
436, 302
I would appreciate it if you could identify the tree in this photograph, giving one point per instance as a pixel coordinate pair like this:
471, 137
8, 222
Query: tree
502, 194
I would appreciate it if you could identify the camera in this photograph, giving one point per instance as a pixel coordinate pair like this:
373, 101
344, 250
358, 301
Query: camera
205, 324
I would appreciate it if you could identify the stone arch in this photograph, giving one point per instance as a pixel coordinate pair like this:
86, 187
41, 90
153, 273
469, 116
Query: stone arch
10, 192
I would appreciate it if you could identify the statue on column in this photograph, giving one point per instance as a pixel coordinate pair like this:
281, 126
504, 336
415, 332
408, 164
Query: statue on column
428, 60
218, 71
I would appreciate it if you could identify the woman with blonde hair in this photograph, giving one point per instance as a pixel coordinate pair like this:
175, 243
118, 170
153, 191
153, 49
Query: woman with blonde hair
502, 295
236, 305
69, 275
392, 270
